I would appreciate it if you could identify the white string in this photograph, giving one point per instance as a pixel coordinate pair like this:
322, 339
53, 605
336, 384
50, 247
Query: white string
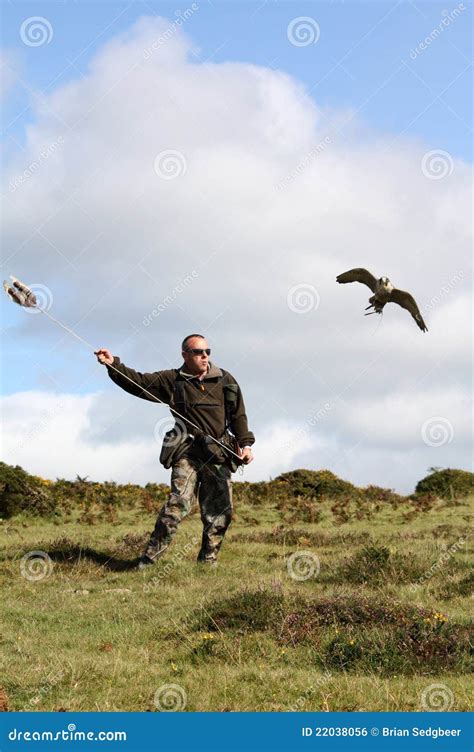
153, 396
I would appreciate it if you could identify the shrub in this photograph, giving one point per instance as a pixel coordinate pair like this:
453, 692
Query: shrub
248, 611
21, 492
304, 510
447, 484
386, 495
315, 483
349, 631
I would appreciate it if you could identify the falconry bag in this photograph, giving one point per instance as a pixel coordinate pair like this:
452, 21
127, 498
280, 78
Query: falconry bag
178, 440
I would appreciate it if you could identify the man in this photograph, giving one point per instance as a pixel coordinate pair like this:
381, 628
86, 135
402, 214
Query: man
211, 403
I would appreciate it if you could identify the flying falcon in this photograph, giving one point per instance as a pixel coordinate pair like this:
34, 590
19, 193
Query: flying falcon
384, 292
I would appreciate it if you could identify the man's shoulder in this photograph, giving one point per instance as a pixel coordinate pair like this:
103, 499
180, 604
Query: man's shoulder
228, 378
169, 374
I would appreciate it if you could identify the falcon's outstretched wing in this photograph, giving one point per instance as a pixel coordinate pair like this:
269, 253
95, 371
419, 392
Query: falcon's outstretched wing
358, 275
405, 300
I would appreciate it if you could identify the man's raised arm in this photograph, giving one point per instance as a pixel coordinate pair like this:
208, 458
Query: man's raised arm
159, 383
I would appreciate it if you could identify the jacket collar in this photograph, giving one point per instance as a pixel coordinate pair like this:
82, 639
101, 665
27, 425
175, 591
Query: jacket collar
213, 372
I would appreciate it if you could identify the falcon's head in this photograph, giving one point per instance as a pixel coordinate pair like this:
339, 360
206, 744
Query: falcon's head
385, 282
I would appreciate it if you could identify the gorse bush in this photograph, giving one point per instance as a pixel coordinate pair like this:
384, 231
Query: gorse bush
21, 492
300, 495
315, 484
447, 484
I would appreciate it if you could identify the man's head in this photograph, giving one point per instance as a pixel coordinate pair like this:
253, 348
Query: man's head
196, 358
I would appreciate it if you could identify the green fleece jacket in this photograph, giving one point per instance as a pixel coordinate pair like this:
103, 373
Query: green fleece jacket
204, 399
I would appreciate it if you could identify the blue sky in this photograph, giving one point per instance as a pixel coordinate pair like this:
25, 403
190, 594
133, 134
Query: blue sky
361, 62
362, 59
366, 200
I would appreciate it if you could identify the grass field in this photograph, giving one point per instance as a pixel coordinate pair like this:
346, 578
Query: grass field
368, 614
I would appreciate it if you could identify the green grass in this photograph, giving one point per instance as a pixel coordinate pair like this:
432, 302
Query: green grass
370, 632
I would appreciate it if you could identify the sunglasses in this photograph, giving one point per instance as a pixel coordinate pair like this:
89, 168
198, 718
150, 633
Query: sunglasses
196, 351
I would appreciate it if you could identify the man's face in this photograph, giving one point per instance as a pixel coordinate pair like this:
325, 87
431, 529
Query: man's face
196, 363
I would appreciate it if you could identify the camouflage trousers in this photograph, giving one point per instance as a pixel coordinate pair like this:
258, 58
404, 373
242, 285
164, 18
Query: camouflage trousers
212, 486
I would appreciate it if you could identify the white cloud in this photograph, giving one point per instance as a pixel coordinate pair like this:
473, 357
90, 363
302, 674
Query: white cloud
9, 67
116, 240
45, 434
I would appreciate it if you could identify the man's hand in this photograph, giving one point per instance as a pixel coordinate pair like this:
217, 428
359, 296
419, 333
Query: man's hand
104, 356
246, 455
